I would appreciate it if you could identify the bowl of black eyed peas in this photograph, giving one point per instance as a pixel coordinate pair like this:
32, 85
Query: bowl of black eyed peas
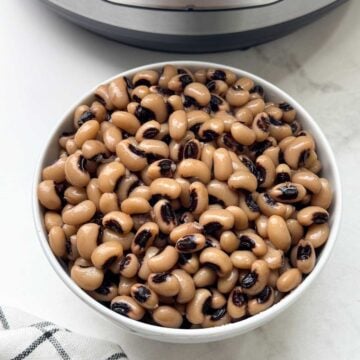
187, 201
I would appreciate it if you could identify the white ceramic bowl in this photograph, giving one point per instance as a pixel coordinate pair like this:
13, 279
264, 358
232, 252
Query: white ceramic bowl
330, 171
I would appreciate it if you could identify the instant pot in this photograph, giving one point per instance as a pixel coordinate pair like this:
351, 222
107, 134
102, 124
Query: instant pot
192, 26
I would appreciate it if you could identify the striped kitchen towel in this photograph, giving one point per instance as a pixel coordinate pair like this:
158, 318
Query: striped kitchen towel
23, 336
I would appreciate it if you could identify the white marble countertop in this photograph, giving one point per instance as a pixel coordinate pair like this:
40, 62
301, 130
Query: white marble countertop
47, 63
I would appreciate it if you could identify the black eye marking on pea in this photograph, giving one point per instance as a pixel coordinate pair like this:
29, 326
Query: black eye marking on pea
97, 218
238, 298
191, 150
275, 122
124, 262
232, 144
260, 174
303, 252
263, 123
100, 99
85, 116
215, 102
167, 213
214, 200
185, 80
142, 238
184, 218
193, 200
109, 262
269, 200
184, 258
258, 90
282, 177
259, 147
264, 295
133, 186
211, 85
288, 192
68, 248
186, 243
121, 308
218, 75
250, 165
206, 308
212, 227
99, 235
136, 151
304, 156
246, 243
82, 163
160, 277
165, 92
189, 101
167, 167
285, 106
104, 289
195, 128
114, 226
251, 204
136, 98
320, 217
295, 127
218, 314
142, 82
209, 243
209, 135
143, 114
169, 108
249, 280
150, 133
142, 294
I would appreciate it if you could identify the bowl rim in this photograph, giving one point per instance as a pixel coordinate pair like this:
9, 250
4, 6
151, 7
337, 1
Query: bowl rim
227, 330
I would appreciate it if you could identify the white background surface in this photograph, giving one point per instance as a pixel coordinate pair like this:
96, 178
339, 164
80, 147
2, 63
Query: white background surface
47, 63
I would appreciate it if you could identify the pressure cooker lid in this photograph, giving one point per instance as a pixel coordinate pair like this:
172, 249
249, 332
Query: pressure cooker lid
193, 4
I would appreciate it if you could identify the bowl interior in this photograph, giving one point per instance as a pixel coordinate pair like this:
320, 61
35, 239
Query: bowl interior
50, 153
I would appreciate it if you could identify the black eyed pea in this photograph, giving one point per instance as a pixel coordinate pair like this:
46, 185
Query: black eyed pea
87, 276
317, 234
139, 92
144, 270
145, 77
216, 219
165, 216
57, 241
222, 164
261, 224
71, 248
94, 150
199, 92
262, 301
103, 96
227, 283
182, 230
129, 265
176, 147
240, 219
167, 73
127, 306
168, 188
297, 151
265, 171
125, 285
279, 129
195, 308
309, 180
99, 111
191, 149
289, 113
125, 121
190, 243
111, 136
243, 259
312, 215
118, 221
52, 218
284, 143
106, 254
69, 230
273, 111
283, 174
88, 237
212, 242
218, 87
167, 316
274, 258
154, 149
305, 256
217, 259
243, 180
200, 75
186, 286
149, 130
256, 106
118, 93
211, 129
108, 202
198, 198
141, 191
192, 168
273, 277
178, 124
257, 92
242, 134
289, 280
196, 118
124, 239
269, 206
218, 74
71, 147
204, 277
296, 230
255, 281
144, 238
324, 197
164, 260
252, 242
156, 104
185, 192
288, 192
217, 317
75, 171
89, 130
261, 126
173, 103
244, 116
189, 262
55, 171
105, 293
49, 194
248, 204
180, 81
207, 155
129, 153
164, 283
228, 119
221, 193
237, 96
126, 185
237, 304
278, 232
135, 205
274, 153
315, 167
229, 242
110, 175
218, 300
93, 192
80, 213
82, 114
144, 296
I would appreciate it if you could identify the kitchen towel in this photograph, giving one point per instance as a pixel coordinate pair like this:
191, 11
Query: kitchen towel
24, 336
